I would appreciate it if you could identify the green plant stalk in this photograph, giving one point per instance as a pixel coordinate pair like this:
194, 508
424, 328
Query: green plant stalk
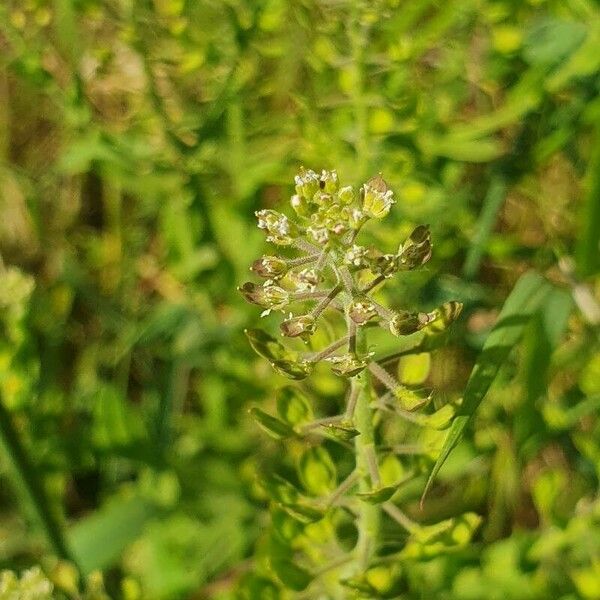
369, 516
31, 487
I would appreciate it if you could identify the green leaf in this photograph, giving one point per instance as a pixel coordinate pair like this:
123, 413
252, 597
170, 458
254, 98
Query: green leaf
280, 489
317, 471
293, 406
304, 513
377, 496
291, 575
274, 427
491, 205
284, 361
525, 299
97, 541
340, 432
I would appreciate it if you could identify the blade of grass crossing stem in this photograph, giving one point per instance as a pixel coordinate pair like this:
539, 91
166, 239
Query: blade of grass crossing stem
31, 487
491, 205
525, 299
588, 244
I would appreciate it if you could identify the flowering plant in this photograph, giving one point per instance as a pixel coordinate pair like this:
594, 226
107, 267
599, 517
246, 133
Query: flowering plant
335, 275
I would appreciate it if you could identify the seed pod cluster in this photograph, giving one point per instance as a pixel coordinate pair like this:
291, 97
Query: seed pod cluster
332, 273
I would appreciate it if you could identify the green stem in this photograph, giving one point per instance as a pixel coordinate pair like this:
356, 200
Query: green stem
30, 485
368, 515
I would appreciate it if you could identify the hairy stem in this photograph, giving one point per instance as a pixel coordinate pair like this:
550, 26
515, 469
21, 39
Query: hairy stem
369, 515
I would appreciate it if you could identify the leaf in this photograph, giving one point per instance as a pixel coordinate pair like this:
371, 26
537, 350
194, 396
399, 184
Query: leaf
377, 496
293, 406
485, 224
290, 574
317, 471
303, 513
274, 427
527, 296
97, 541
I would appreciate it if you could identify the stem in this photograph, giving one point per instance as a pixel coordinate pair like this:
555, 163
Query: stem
388, 380
351, 402
302, 260
369, 515
319, 308
400, 518
379, 279
324, 421
328, 350
316, 295
31, 486
342, 488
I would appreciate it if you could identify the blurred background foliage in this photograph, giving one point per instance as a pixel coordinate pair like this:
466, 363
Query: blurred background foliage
137, 138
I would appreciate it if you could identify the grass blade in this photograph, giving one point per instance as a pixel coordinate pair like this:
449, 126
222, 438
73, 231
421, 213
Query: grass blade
524, 300
491, 205
31, 486
588, 245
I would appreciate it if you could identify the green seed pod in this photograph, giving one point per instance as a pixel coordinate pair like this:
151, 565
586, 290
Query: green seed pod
266, 295
301, 326
270, 267
405, 323
382, 264
347, 365
377, 198
293, 369
443, 316
416, 251
361, 311
268, 347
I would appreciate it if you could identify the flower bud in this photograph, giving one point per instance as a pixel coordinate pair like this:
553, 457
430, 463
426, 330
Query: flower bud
319, 234
377, 198
329, 181
416, 251
384, 264
355, 256
307, 183
300, 205
346, 195
301, 326
280, 229
270, 267
405, 323
348, 365
361, 311
305, 280
268, 296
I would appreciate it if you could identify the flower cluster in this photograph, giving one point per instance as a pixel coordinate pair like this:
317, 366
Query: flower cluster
333, 270
333, 275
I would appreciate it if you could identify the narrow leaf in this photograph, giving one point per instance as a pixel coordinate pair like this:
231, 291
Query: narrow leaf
525, 299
